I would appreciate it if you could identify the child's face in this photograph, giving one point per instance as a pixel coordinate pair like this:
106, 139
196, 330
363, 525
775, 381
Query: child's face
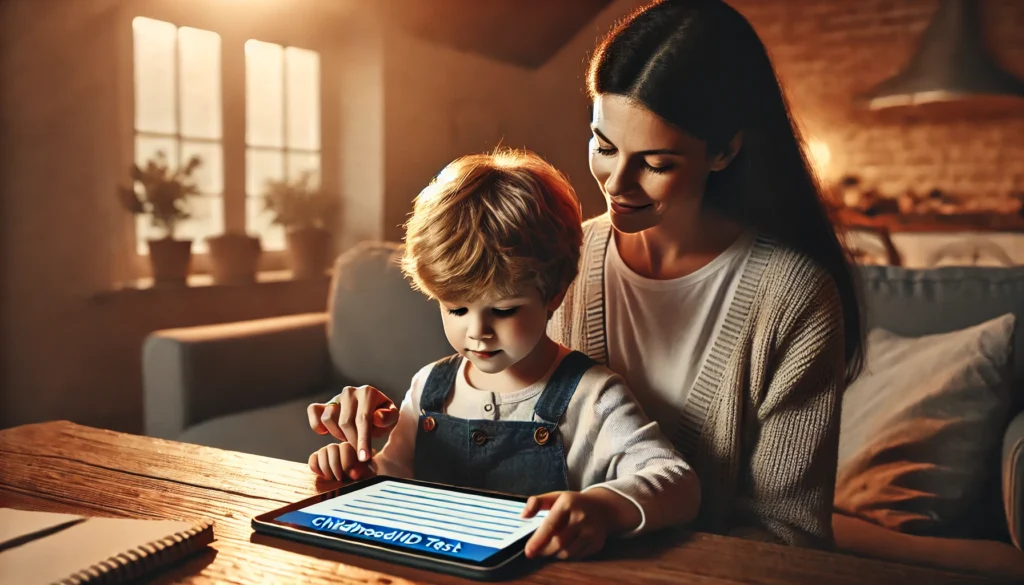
494, 333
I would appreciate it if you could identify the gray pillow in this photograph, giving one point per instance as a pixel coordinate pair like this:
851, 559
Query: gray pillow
381, 331
921, 429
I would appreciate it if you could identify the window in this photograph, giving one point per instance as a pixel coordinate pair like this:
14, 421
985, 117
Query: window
178, 112
282, 129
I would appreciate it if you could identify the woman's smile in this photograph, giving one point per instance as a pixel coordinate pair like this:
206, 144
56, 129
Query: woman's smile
628, 208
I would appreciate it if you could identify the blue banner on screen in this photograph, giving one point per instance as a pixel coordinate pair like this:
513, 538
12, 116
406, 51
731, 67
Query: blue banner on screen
421, 518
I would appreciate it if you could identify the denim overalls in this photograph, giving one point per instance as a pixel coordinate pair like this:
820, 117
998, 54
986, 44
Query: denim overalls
517, 457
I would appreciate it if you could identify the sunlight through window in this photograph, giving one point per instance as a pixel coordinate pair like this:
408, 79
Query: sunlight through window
178, 112
282, 125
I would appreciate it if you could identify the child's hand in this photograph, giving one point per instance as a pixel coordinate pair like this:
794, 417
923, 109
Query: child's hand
354, 416
578, 523
338, 461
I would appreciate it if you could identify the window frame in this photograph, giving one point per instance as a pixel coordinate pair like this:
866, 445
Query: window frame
178, 136
285, 150
295, 29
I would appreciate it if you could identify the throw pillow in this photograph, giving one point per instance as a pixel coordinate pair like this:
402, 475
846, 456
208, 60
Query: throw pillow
921, 428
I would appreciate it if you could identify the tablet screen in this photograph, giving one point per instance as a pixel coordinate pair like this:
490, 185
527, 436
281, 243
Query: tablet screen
420, 518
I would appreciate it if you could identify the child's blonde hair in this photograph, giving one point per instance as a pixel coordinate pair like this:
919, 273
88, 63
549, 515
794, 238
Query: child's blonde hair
494, 222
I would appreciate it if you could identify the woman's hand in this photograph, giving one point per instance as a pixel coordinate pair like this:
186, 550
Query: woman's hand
354, 416
578, 523
338, 461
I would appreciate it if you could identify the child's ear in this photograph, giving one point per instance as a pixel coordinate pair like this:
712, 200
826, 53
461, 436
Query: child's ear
555, 302
722, 159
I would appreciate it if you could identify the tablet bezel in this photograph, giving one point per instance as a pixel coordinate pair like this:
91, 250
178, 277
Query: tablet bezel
496, 561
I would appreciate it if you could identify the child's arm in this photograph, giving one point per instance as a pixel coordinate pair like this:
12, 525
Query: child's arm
616, 447
633, 480
396, 458
578, 523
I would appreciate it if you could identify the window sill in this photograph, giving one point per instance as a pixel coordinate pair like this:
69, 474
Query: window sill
200, 282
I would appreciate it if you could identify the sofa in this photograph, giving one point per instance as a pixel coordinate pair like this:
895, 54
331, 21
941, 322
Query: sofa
245, 387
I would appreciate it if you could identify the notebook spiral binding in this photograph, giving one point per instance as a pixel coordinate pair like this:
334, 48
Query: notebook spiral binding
139, 561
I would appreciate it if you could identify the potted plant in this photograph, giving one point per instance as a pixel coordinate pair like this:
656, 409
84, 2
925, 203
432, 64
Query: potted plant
307, 214
163, 193
234, 258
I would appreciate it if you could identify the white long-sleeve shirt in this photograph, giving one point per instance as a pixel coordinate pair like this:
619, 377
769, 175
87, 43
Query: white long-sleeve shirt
608, 440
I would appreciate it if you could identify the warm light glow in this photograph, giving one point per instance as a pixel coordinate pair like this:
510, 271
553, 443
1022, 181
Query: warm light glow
252, 46
820, 155
282, 86
143, 24
178, 103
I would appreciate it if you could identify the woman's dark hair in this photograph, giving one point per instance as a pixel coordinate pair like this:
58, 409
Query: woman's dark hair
699, 65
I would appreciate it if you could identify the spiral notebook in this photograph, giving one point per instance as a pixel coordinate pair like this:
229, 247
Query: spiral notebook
43, 547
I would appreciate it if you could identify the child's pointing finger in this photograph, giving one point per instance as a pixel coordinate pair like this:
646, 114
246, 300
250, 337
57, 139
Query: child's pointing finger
537, 503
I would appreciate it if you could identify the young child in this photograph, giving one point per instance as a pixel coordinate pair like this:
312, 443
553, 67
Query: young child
496, 240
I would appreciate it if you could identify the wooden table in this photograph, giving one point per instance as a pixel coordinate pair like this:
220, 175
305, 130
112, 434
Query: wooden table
64, 467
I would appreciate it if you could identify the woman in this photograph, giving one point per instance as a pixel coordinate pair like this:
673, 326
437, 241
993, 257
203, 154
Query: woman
715, 284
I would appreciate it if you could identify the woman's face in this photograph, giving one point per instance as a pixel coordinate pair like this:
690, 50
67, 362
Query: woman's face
649, 171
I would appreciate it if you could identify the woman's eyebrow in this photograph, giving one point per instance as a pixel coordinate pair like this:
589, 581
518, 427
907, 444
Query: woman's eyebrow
642, 152
600, 135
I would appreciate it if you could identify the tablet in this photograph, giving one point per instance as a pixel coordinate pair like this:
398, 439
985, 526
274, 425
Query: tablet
461, 531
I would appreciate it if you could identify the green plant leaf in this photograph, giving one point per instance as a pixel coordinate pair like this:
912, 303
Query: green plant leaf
160, 192
296, 204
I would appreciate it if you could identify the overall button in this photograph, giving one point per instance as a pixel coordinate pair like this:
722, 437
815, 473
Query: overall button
488, 407
541, 435
429, 424
479, 437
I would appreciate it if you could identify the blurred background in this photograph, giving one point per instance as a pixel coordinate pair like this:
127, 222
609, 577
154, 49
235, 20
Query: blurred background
312, 124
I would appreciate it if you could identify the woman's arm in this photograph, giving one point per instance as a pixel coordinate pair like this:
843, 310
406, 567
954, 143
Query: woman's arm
787, 490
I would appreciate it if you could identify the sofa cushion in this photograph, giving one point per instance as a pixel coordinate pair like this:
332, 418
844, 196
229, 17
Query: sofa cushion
922, 428
381, 331
911, 302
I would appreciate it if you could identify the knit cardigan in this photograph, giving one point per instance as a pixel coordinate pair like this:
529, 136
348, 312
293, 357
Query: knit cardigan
761, 424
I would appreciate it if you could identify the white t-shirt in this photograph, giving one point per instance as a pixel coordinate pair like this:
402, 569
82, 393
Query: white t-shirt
659, 332
607, 439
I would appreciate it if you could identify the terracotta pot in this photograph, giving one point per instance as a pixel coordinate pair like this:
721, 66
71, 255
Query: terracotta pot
310, 250
171, 261
234, 258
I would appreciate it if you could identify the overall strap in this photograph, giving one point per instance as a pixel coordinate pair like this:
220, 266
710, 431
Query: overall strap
440, 383
562, 385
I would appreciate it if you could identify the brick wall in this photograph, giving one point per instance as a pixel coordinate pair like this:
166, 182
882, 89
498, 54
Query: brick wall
829, 51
